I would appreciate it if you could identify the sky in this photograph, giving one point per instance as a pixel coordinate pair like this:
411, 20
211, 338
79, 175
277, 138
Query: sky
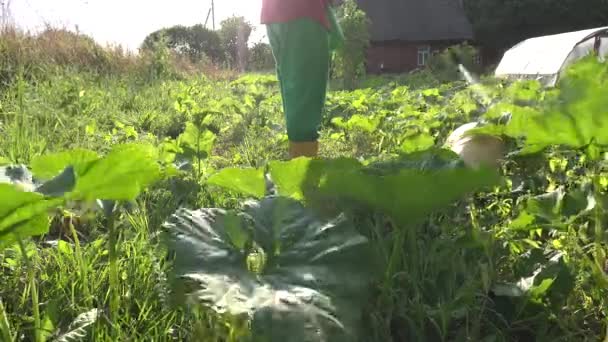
128, 22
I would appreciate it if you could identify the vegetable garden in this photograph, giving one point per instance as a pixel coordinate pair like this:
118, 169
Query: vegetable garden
167, 210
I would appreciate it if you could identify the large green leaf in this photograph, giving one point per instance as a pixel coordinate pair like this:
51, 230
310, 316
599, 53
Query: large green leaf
293, 178
22, 214
50, 165
290, 175
407, 193
576, 117
247, 181
311, 286
409, 188
120, 175
419, 142
60, 185
196, 142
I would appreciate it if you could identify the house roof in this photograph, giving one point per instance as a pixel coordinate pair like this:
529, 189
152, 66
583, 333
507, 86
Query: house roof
417, 20
547, 55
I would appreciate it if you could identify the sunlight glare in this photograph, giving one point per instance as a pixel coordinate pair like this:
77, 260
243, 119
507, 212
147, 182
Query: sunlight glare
128, 22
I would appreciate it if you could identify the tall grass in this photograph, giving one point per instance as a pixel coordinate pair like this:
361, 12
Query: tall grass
34, 56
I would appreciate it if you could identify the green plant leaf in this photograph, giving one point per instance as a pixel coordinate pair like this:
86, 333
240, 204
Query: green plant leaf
364, 123
312, 287
410, 195
247, 181
51, 317
560, 204
50, 165
577, 117
47, 328
196, 143
507, 290
419, 142
546, 206
541, 289
294, 177
523, 221
289, 176
23, 214
407, 194
528, 262
551, 281
121, 175
168, 151
59, 185
235, 230
432, 92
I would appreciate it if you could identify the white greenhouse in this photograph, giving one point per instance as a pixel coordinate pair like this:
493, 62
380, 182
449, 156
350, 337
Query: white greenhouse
544, 58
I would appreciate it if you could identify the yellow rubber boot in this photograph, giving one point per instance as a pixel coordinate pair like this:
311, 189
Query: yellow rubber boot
303, 149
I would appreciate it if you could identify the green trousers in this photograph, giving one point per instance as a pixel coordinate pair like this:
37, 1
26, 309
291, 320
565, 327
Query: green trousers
301, 49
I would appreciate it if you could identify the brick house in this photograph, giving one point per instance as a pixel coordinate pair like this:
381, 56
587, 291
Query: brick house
405, 33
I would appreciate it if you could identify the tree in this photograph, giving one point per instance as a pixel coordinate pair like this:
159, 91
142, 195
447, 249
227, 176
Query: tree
444, 65
349, 61
234, 34
260, 57
500, 24
195, 42
174, 38
206, 42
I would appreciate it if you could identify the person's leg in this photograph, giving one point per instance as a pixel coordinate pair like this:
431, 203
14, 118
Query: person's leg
274, 33
301, 50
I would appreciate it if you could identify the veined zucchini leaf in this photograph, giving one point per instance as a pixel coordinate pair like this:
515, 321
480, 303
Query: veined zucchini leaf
311, 279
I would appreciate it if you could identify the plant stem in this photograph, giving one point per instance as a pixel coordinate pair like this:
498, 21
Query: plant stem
198, 153
396, 255
35, 308
112, 240
600, 256
81, 264
5, 328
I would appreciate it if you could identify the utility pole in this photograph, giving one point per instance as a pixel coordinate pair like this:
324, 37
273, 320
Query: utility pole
6, 15
213, 13
207, 18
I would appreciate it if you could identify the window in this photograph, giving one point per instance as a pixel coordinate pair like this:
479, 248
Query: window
424, 52
477, 59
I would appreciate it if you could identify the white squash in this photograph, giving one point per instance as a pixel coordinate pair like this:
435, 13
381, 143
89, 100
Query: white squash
476, 150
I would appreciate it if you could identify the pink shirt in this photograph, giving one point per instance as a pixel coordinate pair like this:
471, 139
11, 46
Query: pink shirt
280, 11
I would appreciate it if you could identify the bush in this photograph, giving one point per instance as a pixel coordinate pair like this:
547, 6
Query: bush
261, 58
158, 57
194, 42
34, 55
445, 64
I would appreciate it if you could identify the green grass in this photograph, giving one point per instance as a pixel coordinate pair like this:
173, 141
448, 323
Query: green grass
440, 275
